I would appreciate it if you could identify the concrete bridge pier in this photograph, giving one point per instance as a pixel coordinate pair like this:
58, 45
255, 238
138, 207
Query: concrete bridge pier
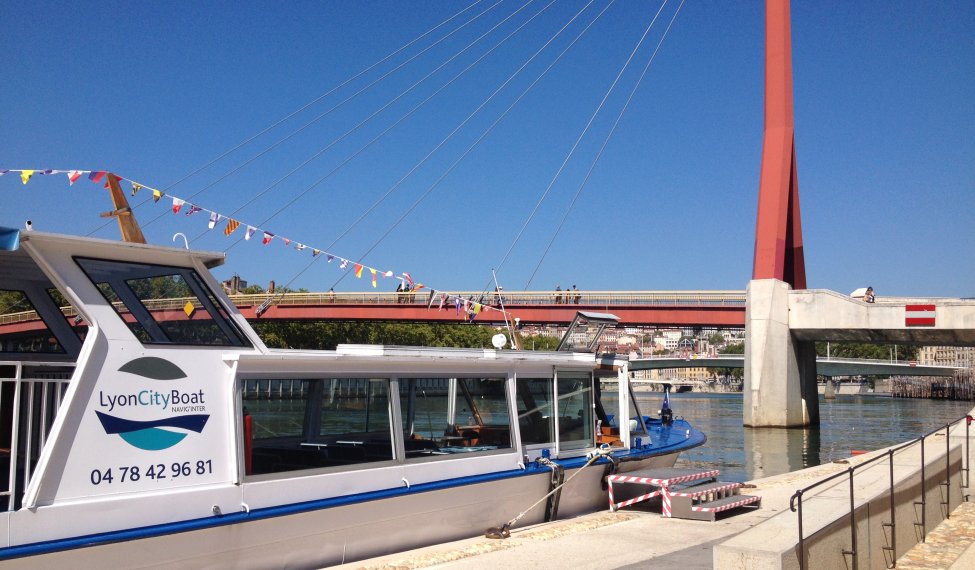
780, 372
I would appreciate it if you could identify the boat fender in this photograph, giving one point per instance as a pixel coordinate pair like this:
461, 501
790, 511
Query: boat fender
405, 482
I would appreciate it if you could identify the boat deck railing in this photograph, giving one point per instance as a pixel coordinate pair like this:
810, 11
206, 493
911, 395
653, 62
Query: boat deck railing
30, 397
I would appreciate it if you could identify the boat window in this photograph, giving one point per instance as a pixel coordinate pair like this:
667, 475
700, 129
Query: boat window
443, 417
536, 419
304, 424
575, 409
22, 330
78, 325
163, 305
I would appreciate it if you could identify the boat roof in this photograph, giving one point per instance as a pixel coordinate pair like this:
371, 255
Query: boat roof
209, 259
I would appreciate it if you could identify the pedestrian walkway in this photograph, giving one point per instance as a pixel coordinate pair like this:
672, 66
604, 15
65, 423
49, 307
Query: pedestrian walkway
949, 546
635, 537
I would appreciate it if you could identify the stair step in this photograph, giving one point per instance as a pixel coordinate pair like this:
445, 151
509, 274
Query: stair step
727, 503
704, 489
663, 476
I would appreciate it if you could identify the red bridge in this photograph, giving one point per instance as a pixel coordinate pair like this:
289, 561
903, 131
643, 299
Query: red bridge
719, 309
679, 308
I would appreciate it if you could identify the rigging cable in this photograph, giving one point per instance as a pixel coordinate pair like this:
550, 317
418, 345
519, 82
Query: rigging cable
377, 112
313, 102
575, 145
491, 127
609, 136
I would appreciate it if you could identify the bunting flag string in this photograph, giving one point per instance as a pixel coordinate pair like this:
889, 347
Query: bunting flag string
467, 309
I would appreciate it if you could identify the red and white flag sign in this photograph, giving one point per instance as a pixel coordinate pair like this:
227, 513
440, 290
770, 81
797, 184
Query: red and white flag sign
919, 315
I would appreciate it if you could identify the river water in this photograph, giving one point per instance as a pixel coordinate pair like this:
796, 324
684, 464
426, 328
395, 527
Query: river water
846, 423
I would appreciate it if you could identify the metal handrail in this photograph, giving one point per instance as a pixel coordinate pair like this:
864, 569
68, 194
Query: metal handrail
795, 502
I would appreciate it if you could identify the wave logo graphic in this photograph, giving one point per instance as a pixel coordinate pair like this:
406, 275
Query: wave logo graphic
150, 435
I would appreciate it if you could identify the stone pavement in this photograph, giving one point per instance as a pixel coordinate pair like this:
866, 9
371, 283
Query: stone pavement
949, 546
636, 537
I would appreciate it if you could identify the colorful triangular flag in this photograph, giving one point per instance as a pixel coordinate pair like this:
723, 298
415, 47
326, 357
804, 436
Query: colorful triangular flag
330, 258
25, 175
287, 241
135, 188
250, 231
193, 209
73, 176
358, 270
156, 195
96, 175
268, 236
232, 225
214, 218
373, 271
177, 204
345, 263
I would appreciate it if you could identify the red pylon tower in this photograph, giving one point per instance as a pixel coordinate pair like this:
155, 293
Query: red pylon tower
778, 231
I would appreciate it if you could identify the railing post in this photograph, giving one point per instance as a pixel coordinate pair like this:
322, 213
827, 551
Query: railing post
923, 502
853, 524
798, 509
947, 484
968, 423
893, 519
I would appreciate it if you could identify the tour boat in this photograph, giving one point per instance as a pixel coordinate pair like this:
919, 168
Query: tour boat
143, 422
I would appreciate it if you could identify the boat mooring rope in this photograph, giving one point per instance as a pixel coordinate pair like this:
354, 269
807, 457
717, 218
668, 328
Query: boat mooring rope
504, 531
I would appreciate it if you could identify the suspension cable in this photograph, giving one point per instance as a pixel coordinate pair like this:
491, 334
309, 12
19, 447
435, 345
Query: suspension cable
575, 145
377, 112
303, 107
513, 75
609, 136
493, 125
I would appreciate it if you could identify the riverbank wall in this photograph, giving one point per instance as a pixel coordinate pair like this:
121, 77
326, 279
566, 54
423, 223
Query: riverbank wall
843, 520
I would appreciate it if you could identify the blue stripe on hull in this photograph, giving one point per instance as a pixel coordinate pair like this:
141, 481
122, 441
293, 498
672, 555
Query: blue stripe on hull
695, 439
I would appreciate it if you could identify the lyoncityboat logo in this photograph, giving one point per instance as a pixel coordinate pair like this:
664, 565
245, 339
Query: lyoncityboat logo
149, 434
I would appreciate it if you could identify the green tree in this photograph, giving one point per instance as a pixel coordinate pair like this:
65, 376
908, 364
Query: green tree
867, 350
734, 348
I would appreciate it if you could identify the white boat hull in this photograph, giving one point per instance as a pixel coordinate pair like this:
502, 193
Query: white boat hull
335, 535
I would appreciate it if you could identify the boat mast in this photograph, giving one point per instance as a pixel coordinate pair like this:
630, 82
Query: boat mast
131, 232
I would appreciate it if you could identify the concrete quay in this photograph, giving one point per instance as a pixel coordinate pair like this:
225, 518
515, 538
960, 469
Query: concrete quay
638, 537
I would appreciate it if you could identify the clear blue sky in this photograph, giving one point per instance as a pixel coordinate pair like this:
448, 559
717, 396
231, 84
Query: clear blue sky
885, 134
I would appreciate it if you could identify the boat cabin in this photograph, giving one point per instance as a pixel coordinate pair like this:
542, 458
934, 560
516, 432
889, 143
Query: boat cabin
126, 373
